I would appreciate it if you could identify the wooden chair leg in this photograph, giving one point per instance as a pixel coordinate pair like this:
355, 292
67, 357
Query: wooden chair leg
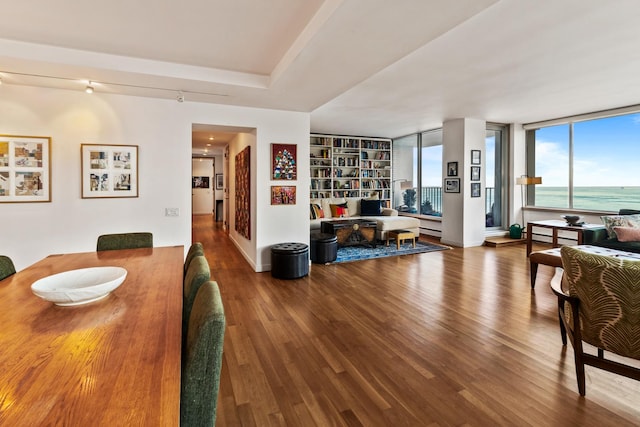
563, 328
534, 273
578, 351
580, 371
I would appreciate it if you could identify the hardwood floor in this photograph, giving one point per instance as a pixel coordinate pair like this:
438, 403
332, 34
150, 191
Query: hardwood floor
444, 338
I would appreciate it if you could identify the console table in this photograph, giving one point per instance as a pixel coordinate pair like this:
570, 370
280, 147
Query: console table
555, 226
351, 232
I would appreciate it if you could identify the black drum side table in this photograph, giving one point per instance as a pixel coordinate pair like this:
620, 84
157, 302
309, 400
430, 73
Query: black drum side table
289, 260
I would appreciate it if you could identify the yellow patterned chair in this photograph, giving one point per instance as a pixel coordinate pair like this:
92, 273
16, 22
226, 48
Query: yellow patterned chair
603, 292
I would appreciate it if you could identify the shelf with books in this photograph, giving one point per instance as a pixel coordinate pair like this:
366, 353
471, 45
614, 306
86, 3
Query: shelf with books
350, 167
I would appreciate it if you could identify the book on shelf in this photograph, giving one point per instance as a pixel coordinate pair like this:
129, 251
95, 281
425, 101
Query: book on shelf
354, 166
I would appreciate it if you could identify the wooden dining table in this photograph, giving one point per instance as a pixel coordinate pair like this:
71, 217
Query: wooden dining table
112, 362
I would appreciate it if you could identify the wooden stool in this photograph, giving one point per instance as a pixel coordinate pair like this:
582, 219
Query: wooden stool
546, 257
401, 235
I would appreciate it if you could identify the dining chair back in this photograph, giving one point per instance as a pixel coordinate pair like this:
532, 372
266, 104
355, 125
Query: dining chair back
194, 250
202, 362
6, 267
598, 300
108, 242
197, 274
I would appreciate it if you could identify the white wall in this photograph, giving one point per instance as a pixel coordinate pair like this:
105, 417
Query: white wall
271, 224
463, 216
162, 130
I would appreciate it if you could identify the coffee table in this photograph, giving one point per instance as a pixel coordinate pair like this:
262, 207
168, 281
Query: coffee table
352, 232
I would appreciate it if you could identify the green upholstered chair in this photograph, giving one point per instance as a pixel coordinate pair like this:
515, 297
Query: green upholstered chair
603, 292
108, 242
6, 267
197, 273
202, 360
194, 250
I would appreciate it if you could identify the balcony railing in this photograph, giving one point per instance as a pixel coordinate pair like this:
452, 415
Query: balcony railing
431, 201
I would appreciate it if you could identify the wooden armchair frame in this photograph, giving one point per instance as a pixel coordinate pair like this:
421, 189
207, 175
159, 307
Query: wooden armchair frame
567, 302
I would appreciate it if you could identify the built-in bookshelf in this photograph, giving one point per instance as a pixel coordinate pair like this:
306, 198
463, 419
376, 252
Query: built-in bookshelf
350, 167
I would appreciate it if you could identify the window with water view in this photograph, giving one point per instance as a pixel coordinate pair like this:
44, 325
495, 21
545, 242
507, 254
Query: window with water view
588, 165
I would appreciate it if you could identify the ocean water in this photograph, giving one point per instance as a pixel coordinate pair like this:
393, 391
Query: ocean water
589, 198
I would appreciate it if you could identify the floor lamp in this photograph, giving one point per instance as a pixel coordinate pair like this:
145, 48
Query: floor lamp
526, 180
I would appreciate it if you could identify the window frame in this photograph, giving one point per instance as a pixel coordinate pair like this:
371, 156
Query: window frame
530, 146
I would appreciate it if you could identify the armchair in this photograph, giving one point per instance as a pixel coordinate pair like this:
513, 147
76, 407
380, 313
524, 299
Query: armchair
598, 302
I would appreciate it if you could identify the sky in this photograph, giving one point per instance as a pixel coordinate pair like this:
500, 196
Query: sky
606, 153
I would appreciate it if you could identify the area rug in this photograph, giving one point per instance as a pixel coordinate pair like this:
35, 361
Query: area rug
357, 253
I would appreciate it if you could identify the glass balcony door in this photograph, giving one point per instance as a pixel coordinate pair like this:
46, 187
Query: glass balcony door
495, 146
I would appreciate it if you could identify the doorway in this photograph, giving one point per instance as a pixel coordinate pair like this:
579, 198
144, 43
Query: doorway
203, 186
209, 141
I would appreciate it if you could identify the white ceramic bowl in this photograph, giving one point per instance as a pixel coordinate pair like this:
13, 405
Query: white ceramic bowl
81, 286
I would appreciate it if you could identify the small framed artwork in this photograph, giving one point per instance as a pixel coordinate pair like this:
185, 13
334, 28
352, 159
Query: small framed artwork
283, 195
475, 173
219, 181
283, 162
200, 182
25, 169
475, 189
109, 171
452, 185
452, 169
475, 157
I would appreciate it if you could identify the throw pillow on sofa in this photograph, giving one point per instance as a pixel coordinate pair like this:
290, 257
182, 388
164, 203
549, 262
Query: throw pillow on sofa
370, 207
612, 221
627, 234
339, 211
316, 211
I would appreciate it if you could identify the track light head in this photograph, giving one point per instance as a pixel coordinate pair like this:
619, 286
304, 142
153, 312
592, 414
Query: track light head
180, 97
89, 88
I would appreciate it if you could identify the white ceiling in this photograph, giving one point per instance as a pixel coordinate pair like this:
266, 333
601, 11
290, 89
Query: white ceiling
362, 67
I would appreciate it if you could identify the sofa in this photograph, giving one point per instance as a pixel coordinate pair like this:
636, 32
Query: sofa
387, 219
627, 237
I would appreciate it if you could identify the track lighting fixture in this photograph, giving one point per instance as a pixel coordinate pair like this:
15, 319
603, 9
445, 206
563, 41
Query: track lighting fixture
180, 97
89, 88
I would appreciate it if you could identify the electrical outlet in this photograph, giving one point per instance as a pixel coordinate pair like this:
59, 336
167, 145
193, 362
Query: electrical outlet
171, 212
